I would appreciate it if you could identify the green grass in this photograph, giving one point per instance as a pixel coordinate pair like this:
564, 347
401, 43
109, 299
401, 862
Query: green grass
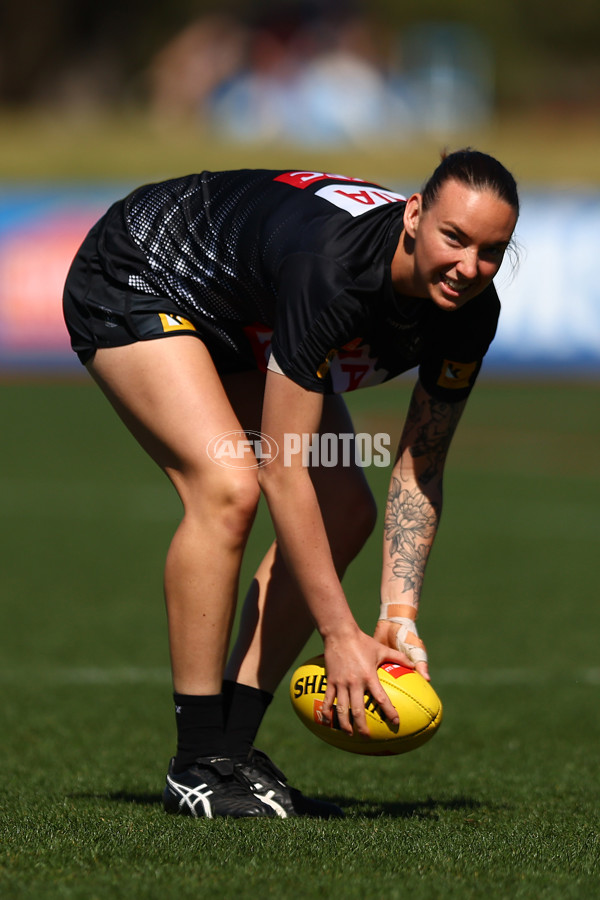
503, 803
540, 150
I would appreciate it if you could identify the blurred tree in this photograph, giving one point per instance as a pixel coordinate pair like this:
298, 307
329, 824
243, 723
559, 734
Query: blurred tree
85, 51
69, 49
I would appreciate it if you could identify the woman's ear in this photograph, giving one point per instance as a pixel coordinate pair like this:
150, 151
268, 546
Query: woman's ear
412, 214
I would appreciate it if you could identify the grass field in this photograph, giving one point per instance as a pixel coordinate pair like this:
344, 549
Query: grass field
540, 150
503, 803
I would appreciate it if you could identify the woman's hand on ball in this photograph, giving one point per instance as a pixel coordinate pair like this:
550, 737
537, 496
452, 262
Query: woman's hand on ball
396, 636
351, 662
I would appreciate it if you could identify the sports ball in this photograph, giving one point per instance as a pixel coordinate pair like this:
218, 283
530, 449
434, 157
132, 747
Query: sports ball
418, 706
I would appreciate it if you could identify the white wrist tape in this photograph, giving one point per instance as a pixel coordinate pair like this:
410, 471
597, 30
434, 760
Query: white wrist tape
407, 626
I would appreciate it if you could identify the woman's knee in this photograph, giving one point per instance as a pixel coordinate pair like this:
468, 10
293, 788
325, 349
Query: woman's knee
224, 498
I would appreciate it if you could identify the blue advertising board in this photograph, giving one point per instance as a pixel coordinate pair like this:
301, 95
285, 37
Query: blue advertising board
40, 231
550, 299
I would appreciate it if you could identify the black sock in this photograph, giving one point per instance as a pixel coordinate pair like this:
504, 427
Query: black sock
243, 711
199, 728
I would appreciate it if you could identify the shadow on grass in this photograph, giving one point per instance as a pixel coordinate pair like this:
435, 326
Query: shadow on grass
419, 809
120, 797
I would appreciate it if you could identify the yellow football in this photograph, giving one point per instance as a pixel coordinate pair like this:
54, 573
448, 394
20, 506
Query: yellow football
417, 704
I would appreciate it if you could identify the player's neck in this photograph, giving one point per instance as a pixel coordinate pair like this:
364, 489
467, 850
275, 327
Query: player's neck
404, 277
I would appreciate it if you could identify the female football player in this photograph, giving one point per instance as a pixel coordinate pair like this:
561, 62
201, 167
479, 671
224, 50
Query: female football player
219, 307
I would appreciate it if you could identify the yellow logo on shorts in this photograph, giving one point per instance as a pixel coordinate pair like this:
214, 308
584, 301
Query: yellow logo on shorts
456, 375
175, 323
323, 369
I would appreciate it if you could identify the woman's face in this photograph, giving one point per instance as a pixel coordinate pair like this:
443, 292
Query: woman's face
459, 242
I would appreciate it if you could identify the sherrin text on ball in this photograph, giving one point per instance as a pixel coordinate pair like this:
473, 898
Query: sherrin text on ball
417, 703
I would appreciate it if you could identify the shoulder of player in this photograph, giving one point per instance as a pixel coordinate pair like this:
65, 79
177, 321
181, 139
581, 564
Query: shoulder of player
347, 194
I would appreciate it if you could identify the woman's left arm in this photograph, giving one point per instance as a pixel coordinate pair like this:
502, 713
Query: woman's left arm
412, 515
351, 656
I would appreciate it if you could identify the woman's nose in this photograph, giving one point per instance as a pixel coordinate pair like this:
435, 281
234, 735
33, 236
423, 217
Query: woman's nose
467, 266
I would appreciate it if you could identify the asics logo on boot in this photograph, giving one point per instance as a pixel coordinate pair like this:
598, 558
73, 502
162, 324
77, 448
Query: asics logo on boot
190, 797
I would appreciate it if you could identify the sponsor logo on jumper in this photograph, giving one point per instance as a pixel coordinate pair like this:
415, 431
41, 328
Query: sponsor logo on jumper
351, 367
456, 375
304, 179
357, 201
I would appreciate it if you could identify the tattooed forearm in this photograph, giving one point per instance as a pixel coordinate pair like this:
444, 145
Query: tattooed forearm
414, 501
410, 567
411, 520
430, 425
409, 516
428, 432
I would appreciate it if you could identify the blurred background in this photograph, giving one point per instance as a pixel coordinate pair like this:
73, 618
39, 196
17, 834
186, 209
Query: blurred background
98, 97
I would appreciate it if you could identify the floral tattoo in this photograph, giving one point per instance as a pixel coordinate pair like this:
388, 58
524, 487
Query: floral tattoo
409, 517
410, 523
411, 567
415, 498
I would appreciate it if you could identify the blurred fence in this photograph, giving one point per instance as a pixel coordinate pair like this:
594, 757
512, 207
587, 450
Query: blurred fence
551, 301
40, 231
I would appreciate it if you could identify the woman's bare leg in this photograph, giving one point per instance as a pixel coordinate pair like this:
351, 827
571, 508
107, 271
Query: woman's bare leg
171, 398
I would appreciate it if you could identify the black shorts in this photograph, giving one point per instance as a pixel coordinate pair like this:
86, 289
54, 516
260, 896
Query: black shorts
100, 312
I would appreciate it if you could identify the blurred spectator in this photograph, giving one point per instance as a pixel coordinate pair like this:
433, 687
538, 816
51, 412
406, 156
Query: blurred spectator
320, 73
313, 75
342, 92
448, 73
186, 73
